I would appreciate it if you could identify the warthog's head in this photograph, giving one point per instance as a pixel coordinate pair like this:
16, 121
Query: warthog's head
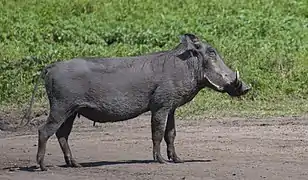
212, 70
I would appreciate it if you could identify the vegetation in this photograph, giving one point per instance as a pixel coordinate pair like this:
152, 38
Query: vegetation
267, 41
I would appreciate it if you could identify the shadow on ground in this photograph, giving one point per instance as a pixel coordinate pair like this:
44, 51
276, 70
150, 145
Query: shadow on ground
99, 163
106, 163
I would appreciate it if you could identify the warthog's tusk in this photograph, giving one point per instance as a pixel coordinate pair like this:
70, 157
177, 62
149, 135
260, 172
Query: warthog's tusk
237, 76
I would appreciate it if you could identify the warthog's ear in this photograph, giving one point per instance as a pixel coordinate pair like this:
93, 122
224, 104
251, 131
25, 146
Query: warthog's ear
191, 43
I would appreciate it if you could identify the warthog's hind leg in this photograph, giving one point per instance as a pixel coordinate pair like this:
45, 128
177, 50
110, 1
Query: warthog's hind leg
54, 121
62, 135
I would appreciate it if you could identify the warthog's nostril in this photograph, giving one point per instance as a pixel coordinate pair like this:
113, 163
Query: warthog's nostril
245, 89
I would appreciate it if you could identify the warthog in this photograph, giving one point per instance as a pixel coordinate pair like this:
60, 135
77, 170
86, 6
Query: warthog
122, 88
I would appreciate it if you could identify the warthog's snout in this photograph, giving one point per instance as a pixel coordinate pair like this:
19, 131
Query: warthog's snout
245, 88
237, 87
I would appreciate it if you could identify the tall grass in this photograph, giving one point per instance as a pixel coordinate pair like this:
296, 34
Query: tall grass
267, 41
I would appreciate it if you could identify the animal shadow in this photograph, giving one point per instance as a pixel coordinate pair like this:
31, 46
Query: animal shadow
110, 163
99, 163
23, 168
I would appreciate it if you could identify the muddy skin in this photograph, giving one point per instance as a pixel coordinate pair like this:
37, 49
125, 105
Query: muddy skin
122, 88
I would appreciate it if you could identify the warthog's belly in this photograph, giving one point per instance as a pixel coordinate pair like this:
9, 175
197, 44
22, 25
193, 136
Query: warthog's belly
111, 115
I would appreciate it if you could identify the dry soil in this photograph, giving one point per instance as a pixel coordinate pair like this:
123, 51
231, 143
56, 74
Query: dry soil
229, 148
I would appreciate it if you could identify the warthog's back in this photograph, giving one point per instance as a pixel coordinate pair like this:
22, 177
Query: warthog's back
105, 89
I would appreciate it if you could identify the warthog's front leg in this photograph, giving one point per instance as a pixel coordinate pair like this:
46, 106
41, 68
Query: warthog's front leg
170, 134
158, 121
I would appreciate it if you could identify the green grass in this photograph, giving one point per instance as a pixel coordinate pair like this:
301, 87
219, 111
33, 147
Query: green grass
265, 40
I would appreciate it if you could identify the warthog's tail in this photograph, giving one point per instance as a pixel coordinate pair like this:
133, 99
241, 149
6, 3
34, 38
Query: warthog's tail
28, 112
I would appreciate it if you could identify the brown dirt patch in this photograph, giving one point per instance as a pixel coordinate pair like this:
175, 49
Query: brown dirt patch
234, 148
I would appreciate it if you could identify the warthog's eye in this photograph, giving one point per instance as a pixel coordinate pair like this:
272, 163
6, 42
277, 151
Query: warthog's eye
211, 52
197, 45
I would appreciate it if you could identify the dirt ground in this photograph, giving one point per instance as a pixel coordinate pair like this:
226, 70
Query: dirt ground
229, 148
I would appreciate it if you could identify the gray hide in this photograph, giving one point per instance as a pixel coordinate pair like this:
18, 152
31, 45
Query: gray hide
121, 88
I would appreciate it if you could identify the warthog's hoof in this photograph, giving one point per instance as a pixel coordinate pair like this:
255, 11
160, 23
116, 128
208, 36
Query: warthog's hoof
172, 156
76, 165
72, 163
158, 158
177, 160
43, 168
42, 165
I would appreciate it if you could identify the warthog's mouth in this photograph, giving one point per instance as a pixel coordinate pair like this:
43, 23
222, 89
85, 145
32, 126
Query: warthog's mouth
238, 89
216, 87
